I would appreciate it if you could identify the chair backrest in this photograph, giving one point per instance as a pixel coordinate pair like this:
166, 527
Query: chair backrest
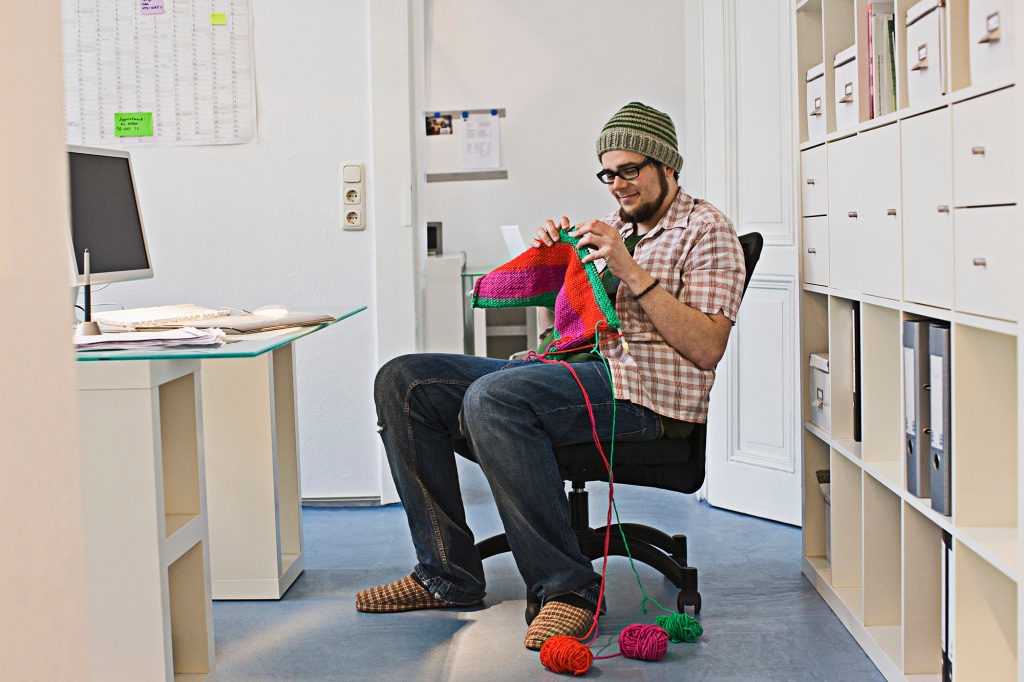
752, 243
670, 464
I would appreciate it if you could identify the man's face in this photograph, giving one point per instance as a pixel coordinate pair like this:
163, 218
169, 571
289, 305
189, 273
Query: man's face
640, 198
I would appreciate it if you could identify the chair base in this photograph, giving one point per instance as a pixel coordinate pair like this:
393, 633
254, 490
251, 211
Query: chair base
662, 552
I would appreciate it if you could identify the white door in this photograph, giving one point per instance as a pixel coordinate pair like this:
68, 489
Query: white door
740, 143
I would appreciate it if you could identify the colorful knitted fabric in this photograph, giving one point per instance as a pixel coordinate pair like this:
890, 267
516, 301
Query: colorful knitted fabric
552, 276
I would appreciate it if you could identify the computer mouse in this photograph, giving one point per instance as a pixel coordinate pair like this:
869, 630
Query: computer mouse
272, 311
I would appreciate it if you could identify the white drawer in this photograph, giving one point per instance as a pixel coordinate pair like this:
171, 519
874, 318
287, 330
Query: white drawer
986, 261
879, 212
845, 86
926, 75
816, 103
813, 182
992, 39
845, 238
815, 250
927, 183
984, 150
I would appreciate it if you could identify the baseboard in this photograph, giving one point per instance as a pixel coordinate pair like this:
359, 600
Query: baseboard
341, 501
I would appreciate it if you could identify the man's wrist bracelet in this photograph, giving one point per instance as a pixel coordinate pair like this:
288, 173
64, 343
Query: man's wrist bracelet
637, 297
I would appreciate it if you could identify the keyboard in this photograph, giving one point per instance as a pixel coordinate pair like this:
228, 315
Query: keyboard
157, 315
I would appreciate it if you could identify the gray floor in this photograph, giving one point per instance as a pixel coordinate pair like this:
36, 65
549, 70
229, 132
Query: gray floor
762, 620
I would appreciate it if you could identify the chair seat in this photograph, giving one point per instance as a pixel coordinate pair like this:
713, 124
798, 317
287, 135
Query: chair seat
670, 464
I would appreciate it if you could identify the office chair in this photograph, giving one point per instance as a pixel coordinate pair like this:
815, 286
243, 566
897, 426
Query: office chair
668, 464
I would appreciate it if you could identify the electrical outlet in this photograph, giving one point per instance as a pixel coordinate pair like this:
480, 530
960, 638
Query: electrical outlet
353, 193
353, 219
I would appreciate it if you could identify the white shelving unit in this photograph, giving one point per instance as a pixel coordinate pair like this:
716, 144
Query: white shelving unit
147, 546
913, 215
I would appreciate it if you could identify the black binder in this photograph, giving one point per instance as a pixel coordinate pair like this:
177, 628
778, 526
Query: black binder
856, 372
916, 424
941, 436
947, 560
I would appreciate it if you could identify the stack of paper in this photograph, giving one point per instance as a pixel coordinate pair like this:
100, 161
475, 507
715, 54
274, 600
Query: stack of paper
170, 338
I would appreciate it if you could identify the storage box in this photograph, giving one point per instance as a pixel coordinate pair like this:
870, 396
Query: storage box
821, 399
926, 51
816, 102
845, 65
991, 35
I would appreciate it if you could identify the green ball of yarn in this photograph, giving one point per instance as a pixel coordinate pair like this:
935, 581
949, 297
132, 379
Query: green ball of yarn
681, 627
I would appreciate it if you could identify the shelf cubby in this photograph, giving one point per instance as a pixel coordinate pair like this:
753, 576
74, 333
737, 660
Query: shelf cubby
191, 624
985, 620
816, 458
840, 344
882, 585
847, 534
922, 594
880, 343
984, 434
809, 50
838, 17
180, 442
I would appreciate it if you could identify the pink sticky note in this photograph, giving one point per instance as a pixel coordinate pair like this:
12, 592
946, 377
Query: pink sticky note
151, 6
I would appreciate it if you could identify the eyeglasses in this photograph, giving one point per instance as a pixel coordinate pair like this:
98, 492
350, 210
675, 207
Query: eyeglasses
628, 173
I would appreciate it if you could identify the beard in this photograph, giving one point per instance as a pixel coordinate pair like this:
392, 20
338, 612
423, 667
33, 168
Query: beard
647, 209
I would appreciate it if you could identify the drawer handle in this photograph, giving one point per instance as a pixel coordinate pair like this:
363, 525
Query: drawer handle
980, 262
891, 211
810, 181
847, 94
852, 214
943, 209
816, 112
812, 250
978, 151
818, 404
992, 28
922, 58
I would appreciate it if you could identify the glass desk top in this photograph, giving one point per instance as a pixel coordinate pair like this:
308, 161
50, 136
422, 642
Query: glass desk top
237, 346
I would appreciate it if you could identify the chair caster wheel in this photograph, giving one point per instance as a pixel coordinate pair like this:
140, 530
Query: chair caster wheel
688, 598
532, 607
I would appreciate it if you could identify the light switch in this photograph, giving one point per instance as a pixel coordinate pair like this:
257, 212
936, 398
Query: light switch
353, 173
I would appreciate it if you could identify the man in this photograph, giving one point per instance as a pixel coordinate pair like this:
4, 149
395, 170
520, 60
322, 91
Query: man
680, 271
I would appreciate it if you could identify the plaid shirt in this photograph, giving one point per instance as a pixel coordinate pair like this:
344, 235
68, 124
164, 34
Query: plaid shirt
694, 253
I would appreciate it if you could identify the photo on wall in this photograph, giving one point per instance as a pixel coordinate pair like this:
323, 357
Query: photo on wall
439, 125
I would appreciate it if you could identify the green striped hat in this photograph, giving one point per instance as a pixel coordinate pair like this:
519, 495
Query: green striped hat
639, 128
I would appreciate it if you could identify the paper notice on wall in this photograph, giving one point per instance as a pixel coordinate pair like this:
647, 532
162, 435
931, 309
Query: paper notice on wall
481, 142
186, 69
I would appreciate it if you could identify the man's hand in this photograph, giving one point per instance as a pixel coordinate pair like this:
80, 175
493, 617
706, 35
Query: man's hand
547, 234
604, 241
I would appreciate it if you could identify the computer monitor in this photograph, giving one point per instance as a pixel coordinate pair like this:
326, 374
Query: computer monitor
105, 217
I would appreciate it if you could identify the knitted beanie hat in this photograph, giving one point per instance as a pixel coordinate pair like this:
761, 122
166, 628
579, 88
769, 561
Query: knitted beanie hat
642, 129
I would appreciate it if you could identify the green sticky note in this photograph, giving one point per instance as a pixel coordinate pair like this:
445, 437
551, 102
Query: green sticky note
134, 124
219, 19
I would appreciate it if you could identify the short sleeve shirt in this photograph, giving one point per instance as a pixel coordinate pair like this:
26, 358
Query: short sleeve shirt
694, 253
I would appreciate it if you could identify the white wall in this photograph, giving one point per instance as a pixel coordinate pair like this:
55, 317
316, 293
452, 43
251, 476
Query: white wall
43, 620
561, 70
253, 224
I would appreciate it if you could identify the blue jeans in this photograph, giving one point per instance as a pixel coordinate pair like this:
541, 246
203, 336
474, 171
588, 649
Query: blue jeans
505, 416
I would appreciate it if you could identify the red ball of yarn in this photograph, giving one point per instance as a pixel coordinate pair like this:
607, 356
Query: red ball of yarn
646, 642
564, 654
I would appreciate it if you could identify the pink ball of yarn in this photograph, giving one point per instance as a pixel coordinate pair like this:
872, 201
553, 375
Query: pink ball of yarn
646, 642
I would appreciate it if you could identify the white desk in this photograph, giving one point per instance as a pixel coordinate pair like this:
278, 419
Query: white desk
192, 493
